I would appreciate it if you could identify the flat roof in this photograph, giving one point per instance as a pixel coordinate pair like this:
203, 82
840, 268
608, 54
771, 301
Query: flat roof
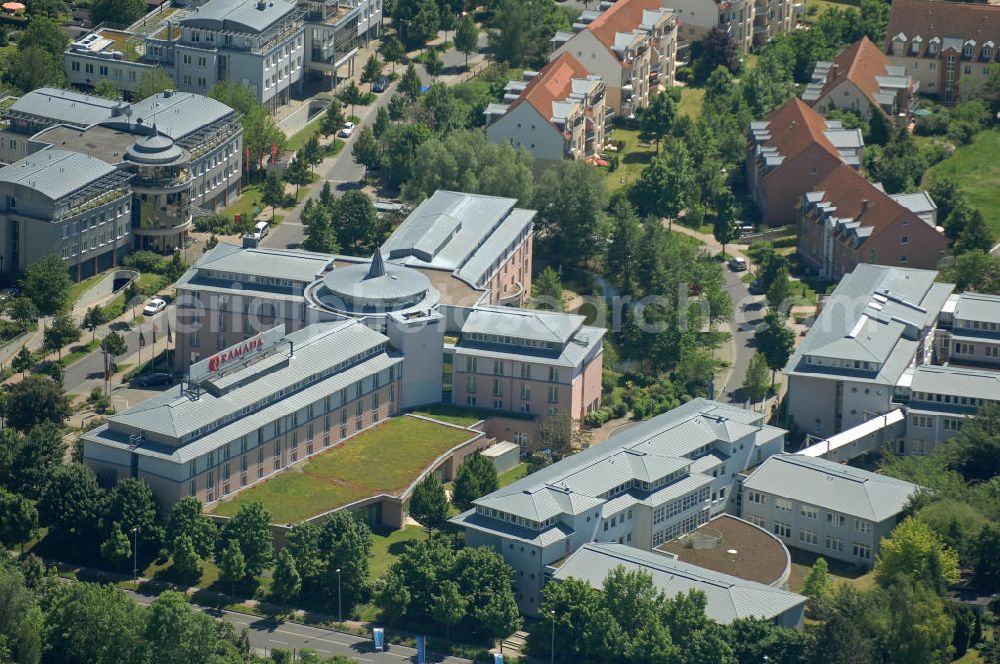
239, 15
56, 173
102, 142
981, 307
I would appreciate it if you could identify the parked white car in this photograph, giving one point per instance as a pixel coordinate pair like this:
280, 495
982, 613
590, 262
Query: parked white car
737, 264
260, 230
346, 130
154, 306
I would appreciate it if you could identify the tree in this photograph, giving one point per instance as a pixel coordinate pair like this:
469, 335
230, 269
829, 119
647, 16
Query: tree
18, 519
21, 621
285, 581
624, 250
114, 345
117, 550
449, 606
125, 12
975, 235
558, 434
975, 451
186, 518
467, 37
725, 228
232, 565
755, 384
393, 51
919, 629
779, 292
372, 70
986, 562
97, 624
367, 151
107, 89
547, 290
775, 340
132, 504
36, 400
32, 458
656, 119
272, 192
319, 230
32, 67
717, 50
63, 331
382, 122
71, 505
298, 174
916, 552
153, 82
185, 559
22, 361
392, 596
351, 94
520, 30
92, 319
24, 312
332, 120
417, 21
409, 84
476, 477
898, 165
47, 283
355, 219
429, 504
665, 185
817, 588
347, 546
177, 633
251, 528
311, 152
570, 199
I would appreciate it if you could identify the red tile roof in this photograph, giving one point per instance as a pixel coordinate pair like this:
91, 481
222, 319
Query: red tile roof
936, 18
794, 126
858, 199
554, 82
622, 16
859, 63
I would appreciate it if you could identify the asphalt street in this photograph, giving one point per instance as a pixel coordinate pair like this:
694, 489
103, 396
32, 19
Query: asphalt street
267, 634
747, 313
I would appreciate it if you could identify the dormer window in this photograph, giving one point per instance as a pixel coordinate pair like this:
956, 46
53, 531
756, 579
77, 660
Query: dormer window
988, 50
968, 48
915, 45
932, 48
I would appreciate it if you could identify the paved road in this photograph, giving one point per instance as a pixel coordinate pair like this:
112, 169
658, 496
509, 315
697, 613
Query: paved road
748, 310
267, 634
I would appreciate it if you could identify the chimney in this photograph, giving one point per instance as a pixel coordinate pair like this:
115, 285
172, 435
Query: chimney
865, 205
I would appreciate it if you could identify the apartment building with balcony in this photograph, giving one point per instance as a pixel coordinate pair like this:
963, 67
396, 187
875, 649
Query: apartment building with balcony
556, 113
334, 31
791, 152
749, 23
823, 507
846, 220
259, 44
631, 45
944, 46
863, 79
772, 18
969, 331
642, 487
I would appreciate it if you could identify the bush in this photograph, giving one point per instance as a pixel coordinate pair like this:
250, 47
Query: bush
596, 418
932, 125
143, 261
962, 131
215, 223
683, 74
786, 241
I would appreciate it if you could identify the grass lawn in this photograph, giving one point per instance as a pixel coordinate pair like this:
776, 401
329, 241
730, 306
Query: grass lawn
79, 352
977, 171
840, 572
461, 415
513, 475
247, 204
348, 473
822, 6
388, 545
301, 137
692, 99
81, 287
632, 159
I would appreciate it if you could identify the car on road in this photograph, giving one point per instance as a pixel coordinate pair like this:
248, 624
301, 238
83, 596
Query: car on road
738, 264
158, 379
381, 85
154, 306
346, 130
260, 230
8, 293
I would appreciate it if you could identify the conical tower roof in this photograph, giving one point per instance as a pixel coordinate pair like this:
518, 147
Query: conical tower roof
377, 268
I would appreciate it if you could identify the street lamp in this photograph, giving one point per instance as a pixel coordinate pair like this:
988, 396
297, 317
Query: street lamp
340, 606
135, 557
552, 649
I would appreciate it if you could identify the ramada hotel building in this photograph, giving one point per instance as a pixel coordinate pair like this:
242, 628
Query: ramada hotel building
289, 352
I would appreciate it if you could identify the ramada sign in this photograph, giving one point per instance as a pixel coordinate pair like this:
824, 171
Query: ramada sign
224, 358
230, 357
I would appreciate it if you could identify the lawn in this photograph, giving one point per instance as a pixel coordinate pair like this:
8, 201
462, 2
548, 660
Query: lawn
822, 6
977, 171
388, 545
247, 205
81, 287
840, 572
633, 158
350, 472
461, 415
692, 99
513, 475
302, 136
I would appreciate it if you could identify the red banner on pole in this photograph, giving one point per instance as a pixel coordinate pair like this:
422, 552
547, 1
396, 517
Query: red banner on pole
274, 152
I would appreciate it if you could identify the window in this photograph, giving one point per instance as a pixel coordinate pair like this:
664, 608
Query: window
862, 551
834, 544
783, 504
967, 50
553, 375
782, 529
905, 239
808, 537
526, 371
498, 367
862, 526
809, 512
553, 395
836, 519
756, 497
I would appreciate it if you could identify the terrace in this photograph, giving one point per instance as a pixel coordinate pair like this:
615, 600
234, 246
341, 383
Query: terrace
384, 460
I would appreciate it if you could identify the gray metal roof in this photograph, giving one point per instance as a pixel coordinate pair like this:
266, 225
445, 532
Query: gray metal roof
544, 538
979, 307
917, 202
65, 106
290, 264
868, 318
394, 283
317, 347
572, 355
177, 114
658, 445
832, 486
728, 597
956, 381
239, 15
55, 173
552, 326
454, 231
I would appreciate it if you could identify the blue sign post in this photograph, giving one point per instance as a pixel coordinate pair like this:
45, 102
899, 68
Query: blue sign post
497, 658
421, 647
379, 635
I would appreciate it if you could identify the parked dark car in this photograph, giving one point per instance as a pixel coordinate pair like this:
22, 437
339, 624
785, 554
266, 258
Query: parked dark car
154, 380
381, 85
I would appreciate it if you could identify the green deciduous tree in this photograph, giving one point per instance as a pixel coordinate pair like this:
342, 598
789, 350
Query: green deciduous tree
251, 528
975, 451
345, 544
570, 199
429, 504
332, 120
409, 84
285, 581
186, 518
756, 382
779, 292
153, 82
232, 565
61, 332
664, 188
520, 30
817, 588
22, 361
366, 150
372, 70
381, 124
124, 12
18, 519
47, 283
92, 319
131, 503
393, 51
34, 458
71, 505
297, 173
116, 550
975, 235
272, 192
725, 228
94, 623
21, 620
24, 312
986, 562
476, 477
916, 552
449, 606
547, 290
107, 89
775, 340
319, 229
898, 165
467, 37
351, 95
973, 271
36, 400
656, 119
355, 220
